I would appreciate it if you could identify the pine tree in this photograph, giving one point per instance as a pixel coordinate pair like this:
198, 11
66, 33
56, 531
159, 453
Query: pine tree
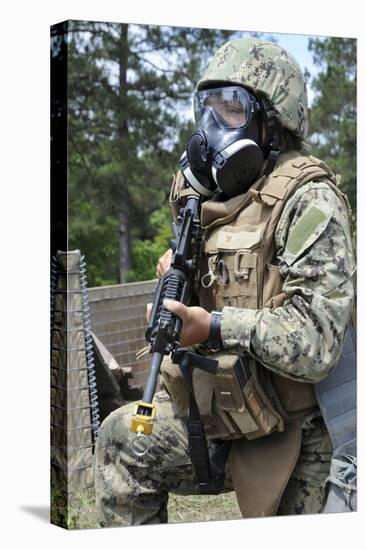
333, 123
129, 92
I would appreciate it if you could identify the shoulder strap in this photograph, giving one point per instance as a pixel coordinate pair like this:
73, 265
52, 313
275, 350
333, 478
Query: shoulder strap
296, 170
179, 191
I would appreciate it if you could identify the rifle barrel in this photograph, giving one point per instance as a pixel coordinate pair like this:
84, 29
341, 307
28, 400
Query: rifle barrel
150, 387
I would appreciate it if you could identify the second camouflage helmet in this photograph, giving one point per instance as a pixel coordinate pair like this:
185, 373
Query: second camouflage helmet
267, 68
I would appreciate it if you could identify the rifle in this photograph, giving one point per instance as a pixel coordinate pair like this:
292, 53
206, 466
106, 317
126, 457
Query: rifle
164, 327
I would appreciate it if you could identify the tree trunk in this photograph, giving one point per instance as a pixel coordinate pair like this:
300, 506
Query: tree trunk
125, 262
124, 247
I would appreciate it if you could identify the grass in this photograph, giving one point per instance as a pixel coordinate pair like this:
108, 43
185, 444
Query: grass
73, 512
183, 509
80, 513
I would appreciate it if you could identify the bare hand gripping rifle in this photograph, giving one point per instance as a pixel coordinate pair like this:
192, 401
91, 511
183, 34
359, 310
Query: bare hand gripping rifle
164, 327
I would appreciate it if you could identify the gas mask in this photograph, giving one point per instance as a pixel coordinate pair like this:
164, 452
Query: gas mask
224, 153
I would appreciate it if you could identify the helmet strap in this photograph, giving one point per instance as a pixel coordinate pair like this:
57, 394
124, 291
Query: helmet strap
270, 162
270, 130
271, 138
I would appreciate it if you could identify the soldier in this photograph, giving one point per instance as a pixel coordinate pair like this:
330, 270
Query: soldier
275, 295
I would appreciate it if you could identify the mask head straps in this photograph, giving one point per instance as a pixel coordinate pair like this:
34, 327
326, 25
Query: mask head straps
271, 135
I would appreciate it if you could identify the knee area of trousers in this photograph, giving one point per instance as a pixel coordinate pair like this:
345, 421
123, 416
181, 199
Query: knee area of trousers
117, 425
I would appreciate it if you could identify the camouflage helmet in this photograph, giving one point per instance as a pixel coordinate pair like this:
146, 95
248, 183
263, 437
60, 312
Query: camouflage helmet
263, 67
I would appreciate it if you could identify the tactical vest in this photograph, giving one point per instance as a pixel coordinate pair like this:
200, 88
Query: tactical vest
236, 269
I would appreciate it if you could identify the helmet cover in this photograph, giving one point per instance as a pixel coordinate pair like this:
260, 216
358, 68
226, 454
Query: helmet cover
267, 68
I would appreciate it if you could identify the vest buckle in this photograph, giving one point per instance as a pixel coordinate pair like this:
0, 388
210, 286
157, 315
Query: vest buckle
209, 278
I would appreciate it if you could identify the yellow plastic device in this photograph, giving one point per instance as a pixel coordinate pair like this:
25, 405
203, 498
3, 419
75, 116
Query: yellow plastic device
143, 418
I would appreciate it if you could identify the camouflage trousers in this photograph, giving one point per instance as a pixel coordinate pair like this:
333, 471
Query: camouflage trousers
132, 490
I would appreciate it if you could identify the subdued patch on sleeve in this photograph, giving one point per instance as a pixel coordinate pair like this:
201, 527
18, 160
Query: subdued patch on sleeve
306, 230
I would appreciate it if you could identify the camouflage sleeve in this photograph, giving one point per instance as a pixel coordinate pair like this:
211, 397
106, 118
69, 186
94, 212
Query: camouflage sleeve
303, 338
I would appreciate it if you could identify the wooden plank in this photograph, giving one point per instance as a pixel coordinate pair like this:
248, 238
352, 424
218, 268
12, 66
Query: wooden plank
125, 313
118, 320
122, 290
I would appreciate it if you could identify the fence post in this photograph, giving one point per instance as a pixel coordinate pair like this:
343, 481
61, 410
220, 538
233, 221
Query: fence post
74, 404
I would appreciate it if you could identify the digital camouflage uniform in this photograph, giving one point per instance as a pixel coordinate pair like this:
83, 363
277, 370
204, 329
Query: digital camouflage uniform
301, 339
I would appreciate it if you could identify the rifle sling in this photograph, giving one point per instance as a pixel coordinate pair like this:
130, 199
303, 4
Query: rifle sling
209, 470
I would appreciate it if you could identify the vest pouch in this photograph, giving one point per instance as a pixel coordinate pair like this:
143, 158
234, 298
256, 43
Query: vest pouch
217, 424
229, 398
267, 417
241, 286
245, 271
234, 279
229, 266
241, 401
295, 397
174, 383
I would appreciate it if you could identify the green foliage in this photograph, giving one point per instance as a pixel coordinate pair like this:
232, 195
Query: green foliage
129, 117
333, 124
97, 239
58, 515
129, 92
129, 95
146, 252
75, 510
92, 230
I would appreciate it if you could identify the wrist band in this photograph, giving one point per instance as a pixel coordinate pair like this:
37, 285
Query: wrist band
214, 335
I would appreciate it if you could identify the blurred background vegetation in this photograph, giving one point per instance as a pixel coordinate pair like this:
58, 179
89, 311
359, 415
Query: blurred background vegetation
129, 116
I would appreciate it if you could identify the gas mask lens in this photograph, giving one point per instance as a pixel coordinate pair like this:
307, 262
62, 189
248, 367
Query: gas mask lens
232, 106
